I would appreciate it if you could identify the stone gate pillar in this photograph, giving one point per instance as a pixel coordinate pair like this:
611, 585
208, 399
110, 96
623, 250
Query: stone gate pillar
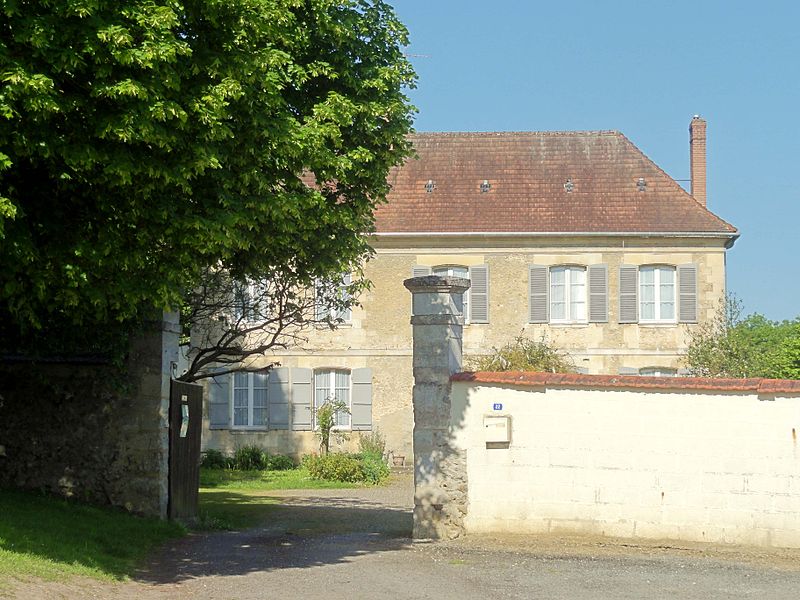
440, 486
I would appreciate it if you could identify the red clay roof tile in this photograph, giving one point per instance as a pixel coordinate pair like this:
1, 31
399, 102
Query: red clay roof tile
527, 173
530, 379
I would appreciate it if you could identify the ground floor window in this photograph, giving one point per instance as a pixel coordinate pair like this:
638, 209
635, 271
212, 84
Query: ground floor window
249, 406
658, 372
333, 384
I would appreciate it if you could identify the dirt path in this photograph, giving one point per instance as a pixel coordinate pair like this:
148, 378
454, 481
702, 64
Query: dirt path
353, 544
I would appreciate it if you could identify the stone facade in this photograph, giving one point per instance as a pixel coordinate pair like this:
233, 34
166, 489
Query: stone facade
93, 432
379, 334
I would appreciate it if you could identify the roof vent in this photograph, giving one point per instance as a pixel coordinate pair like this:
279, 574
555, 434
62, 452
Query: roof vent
569, 186
641, 184
430, 186
485, 186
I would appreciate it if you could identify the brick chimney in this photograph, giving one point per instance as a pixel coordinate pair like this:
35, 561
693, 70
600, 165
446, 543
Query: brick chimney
697, 158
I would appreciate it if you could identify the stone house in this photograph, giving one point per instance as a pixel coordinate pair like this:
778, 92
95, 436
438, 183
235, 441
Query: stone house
573, 236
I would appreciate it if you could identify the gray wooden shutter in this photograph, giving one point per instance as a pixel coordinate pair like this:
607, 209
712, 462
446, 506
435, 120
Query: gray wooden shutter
361, 404
598, 293
420, 271
687, 293
219, 397
479, 294
628, 294
278, 398
628, 371
538, 288
302, 395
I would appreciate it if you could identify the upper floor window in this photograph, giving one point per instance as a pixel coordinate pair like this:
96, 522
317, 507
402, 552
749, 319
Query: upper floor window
333, 384
249, 406
456, 271
250, 302
330, 298
657, 294
568, 294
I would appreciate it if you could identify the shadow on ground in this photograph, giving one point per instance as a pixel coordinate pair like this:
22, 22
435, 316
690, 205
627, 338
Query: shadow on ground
300, 532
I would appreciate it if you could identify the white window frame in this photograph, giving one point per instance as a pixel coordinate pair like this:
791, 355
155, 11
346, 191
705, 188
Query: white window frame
657, 299
450, 271
244, 292
323, 312
568, 271
250, 397
658, 372
330, 373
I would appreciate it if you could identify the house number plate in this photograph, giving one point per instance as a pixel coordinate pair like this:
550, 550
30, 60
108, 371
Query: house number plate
497, 406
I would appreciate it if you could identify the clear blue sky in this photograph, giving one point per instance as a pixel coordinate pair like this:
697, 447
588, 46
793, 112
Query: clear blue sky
643, 68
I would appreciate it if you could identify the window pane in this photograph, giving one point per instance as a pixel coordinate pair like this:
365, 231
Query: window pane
667, 311
343, 394
577, 294
648, 310
240, 407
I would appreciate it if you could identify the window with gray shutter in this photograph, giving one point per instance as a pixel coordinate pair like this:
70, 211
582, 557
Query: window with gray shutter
479, 294
687, 293
628, 371
302, 394
278, 398
361, 399
628, 294
538, 287
598, 293
219, 394
420, 271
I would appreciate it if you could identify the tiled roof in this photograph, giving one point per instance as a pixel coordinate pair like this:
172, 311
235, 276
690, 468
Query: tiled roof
527, 173
528, 379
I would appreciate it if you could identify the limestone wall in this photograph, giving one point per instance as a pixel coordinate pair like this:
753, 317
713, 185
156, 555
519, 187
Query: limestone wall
379, 336
93, 432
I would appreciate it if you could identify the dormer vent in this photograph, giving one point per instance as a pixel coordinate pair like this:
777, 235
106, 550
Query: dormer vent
641, 184
569, 185
485, 186
430, 186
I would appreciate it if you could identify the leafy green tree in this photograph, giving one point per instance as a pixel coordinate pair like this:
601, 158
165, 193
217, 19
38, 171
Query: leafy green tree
144, 142
732, 346
524, 354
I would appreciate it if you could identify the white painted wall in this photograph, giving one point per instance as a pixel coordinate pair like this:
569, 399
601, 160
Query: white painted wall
701, 466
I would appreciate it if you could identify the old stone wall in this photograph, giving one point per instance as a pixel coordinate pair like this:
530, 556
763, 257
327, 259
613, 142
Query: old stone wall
92, 431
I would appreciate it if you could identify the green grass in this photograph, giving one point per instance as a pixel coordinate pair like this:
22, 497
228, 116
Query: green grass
237, 499
52, 538
294, 479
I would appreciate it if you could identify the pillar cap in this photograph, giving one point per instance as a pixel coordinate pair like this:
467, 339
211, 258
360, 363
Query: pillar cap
436, 283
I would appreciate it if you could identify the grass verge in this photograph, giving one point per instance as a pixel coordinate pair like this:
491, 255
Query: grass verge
48, 537
293, 479
232, 499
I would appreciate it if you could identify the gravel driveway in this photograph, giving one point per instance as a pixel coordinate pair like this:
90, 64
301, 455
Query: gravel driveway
353, 544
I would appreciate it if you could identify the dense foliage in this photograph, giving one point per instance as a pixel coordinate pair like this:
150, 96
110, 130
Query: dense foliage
524, 354
144, 141
753, 346
247, 458
351, 468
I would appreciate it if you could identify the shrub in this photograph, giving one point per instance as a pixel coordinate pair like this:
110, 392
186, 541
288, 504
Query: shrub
335, 467
280, 462
349, 468
214, 459
524, 354
326, 421
372, 443
374, 468
249, 458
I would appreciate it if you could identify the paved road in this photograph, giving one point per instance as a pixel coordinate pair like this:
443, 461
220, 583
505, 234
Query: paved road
353, 544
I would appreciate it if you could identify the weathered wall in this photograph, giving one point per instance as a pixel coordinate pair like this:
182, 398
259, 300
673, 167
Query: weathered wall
92, 432
680, 464
379, 335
